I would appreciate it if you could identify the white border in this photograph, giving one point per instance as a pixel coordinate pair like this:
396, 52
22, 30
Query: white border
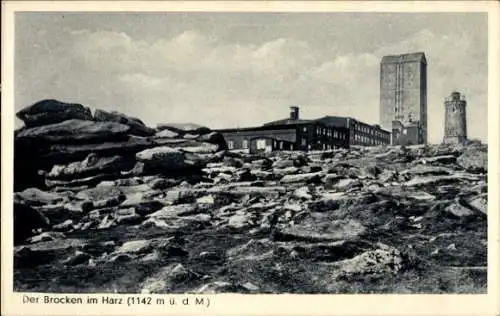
223, 304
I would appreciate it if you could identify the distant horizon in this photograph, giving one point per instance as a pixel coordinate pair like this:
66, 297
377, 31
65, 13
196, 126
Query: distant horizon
229, 70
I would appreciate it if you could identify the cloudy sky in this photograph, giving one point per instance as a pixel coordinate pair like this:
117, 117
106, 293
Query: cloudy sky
243, 69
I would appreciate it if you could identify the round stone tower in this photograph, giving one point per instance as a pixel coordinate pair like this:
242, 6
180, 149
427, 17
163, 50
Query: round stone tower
455, 120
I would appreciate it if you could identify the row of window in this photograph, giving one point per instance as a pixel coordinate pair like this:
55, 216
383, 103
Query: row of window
368, 140
370, 131
326, 132
330, 133
260, 144
323, 146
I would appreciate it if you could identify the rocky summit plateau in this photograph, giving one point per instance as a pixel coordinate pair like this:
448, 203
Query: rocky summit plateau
104, 203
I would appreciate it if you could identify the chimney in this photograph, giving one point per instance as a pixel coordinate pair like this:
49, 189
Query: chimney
294, 113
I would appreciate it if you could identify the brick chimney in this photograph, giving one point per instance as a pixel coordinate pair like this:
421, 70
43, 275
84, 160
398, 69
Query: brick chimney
294, 113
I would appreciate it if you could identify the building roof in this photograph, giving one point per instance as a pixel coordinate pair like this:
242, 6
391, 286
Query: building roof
334, 120
410, 57
287, 121
263, 127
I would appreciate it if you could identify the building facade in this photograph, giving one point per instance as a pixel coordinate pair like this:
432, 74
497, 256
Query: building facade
403, 97
455, 119
294, 133
360, 134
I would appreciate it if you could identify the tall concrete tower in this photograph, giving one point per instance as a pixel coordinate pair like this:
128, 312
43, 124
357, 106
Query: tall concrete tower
455, 119
403, 97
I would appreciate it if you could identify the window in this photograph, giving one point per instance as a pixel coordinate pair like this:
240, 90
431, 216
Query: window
281, 145
304, 129
335, 134
318, 130
304, 142
230, 144
245, 144
261, 144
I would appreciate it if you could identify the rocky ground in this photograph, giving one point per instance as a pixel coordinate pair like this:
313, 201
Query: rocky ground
105, 204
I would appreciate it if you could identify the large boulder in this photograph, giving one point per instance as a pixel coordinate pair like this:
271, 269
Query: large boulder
77, 131
91, 166
167, 157
63, 153
137, 127
474, 160
36, 197
52, 111
215, 138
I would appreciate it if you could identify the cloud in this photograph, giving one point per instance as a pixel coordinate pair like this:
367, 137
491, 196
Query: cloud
200, 78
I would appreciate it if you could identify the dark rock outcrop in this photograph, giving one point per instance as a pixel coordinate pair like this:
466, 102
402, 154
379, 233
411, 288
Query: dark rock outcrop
75, 131
47, 112
137, 127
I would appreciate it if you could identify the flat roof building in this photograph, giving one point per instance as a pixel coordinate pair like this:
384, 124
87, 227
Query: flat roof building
294, 133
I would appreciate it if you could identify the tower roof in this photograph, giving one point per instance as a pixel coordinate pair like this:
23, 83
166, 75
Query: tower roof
409, 57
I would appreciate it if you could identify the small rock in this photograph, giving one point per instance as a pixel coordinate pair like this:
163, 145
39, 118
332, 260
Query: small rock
64, 226
458, 210
78, 258
303, 193
47, 236
106, 223
281, 164
165, 280
251, 287
240, 220
220, 287
347, 183
167, 134
208, 199
134, 247
384, 260
305, 177
479, 203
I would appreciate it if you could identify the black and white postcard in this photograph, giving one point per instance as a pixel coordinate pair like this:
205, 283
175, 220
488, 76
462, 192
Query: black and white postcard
202, 157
